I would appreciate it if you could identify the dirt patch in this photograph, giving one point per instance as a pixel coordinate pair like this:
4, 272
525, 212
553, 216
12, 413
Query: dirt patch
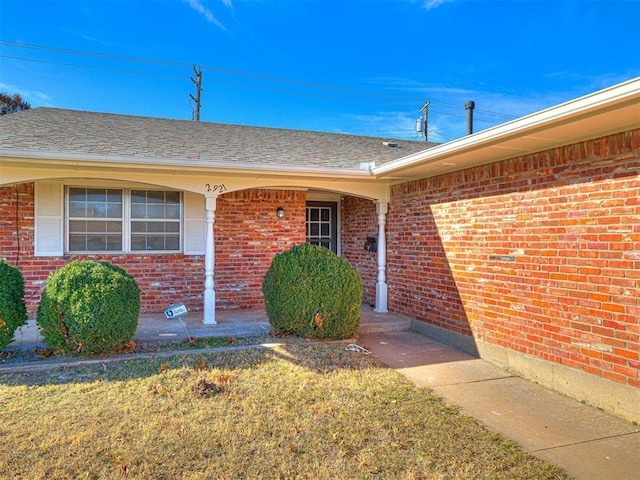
204, 389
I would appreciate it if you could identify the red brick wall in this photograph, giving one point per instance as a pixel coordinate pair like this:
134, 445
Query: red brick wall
540, 254
14, 222
247, 235
359, 221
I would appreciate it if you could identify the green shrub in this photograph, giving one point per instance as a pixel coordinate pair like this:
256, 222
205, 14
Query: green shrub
89, 307
13, 311
311, 292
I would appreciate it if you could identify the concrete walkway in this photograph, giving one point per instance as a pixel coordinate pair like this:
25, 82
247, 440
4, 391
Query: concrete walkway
587, 443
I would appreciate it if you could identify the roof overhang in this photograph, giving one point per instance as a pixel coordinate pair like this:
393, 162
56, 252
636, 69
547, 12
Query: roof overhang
154, 163
608, 111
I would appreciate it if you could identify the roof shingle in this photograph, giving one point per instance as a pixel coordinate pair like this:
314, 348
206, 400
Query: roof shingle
80, 132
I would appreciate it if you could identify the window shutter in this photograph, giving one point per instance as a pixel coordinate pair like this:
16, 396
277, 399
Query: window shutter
194, 224
48, 237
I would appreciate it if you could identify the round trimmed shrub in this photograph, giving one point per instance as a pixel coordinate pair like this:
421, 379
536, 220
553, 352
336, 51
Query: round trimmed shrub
13, 311
311, 292
89, 307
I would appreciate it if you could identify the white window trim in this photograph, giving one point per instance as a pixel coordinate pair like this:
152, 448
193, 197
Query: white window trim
126, 220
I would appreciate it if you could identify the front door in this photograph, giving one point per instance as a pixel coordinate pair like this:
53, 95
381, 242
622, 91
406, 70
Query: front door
322, 224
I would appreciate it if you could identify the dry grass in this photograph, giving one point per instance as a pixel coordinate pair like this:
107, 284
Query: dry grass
299, 411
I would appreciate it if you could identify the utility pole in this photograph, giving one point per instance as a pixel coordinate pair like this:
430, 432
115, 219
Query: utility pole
198, 83
425, 112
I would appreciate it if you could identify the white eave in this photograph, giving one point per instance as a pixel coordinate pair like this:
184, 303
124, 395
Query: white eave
608, 111
75, 159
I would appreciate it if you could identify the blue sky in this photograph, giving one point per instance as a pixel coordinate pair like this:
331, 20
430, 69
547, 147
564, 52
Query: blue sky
350, 66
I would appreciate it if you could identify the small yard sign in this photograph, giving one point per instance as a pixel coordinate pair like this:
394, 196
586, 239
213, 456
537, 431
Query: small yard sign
176, 310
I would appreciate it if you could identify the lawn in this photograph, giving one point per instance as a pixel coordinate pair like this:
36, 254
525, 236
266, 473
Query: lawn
312, 411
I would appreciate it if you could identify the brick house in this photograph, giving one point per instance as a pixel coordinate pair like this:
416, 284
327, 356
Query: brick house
520, 243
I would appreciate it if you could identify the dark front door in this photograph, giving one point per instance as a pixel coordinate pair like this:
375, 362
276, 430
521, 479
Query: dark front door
322, 224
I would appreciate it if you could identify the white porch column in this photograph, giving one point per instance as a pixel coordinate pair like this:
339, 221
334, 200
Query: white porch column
209, 317
382, 208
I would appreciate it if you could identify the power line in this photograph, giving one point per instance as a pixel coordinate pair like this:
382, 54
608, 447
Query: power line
93, 54
237, 84
91, 67
255, 76
225, 71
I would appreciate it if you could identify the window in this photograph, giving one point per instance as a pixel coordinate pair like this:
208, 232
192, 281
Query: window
155, 220
122, 220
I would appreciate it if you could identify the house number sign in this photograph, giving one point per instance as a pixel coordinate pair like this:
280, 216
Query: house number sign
220, 188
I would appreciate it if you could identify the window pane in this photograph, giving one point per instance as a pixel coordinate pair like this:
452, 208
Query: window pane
114, 243
173, 212
114, 196
138, 227
96, 227
172, 227
315, 214
138, 211
114, 227
96, 242
173, 198
77, 243
155, 227
114, 210
138, 242
324, 229
138, 196
96, 210
325, 212
77, 209
315, 229
173, 243
155, 197
78, 194
155, 211
155, 242
77, 226
96, 195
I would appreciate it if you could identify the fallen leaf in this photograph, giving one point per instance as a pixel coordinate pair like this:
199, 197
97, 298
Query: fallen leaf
202, 364
47, 352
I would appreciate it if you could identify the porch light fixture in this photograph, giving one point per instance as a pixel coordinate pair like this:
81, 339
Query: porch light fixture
280, 212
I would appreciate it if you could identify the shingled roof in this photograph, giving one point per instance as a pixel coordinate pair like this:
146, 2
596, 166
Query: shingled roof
69, 132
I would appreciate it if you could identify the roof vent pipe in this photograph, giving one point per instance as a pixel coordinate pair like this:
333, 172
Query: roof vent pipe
469, 106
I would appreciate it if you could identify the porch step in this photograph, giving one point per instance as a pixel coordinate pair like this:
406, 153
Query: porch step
382, 327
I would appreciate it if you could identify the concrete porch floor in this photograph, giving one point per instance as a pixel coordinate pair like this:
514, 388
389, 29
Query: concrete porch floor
231, 323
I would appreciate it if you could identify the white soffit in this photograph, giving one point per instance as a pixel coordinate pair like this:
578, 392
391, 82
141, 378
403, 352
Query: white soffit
608, 111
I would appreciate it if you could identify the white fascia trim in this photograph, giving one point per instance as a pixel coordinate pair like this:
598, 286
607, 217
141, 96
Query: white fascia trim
548, 117
164, 162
